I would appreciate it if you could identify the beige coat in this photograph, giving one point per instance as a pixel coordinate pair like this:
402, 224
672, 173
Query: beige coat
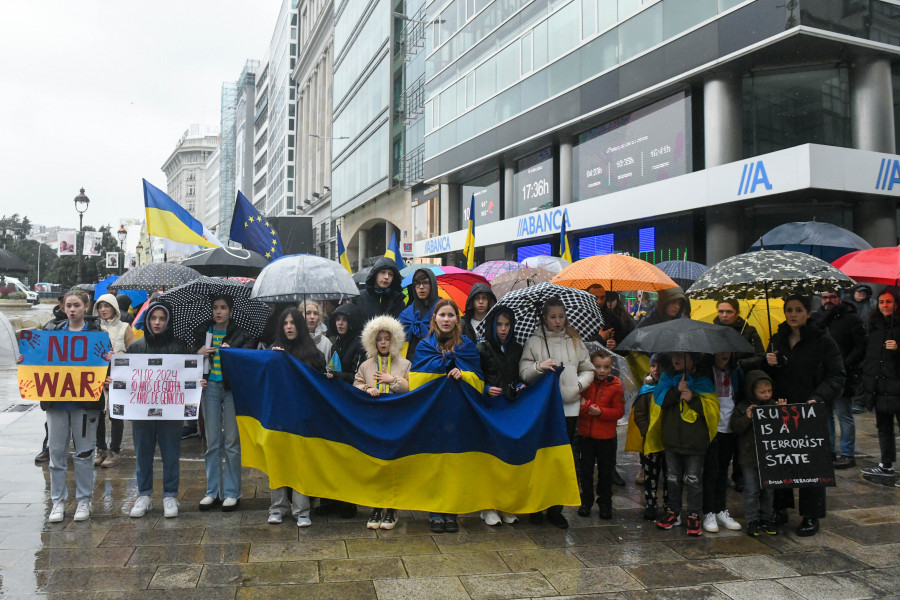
365, 376
567, 351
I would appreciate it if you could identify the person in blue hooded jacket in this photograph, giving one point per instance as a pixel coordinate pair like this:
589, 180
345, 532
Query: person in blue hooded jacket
416, 317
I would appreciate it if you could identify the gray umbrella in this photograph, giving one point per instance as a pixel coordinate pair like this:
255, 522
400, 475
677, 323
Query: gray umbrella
685, 335
303, 277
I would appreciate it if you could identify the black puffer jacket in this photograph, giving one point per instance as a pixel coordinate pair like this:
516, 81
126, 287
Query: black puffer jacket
501, 367
93, 324
747, 360
161, 343
845, 328
741, 425
468, 329
374, 301
659, 313
865, 308
881, 367
235, 337
349, 346
812, 369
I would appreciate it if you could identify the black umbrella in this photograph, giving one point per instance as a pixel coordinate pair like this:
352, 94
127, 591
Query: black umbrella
155, 276
822, 240
360, 277
582, 310
10, 263
682, 272
685, 335
226, 262
191, 306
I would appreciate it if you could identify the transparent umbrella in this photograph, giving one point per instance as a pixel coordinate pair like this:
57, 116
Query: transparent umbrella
303, 277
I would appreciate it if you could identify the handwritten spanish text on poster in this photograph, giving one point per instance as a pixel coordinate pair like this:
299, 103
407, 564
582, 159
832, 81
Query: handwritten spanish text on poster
164, 387
62, 365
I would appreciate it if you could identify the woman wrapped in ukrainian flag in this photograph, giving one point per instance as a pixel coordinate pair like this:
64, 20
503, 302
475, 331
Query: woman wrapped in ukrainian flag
446, 353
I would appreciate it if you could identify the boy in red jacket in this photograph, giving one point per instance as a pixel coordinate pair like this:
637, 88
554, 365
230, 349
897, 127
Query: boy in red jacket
602, 404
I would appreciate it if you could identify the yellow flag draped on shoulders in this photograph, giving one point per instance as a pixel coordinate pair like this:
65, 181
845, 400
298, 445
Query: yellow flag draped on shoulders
700, 386
443, 447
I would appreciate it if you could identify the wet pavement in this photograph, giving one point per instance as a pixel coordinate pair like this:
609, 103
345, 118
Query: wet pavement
238, 556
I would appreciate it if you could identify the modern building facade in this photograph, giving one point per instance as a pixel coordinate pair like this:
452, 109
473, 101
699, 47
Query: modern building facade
368, 129
661, 128
274, 119
313, 78
185, 168
220, 219
213, 192
244, 138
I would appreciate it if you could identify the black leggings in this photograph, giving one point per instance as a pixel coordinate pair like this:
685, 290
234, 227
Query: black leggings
116, 429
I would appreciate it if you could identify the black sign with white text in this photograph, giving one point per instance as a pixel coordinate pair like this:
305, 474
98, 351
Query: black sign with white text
792, 446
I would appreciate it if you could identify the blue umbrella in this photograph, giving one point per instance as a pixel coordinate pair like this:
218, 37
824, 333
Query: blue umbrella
138, 297
682, 272
822, 240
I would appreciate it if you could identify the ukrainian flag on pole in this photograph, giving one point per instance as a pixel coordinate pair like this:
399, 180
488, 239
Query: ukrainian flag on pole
565, 251
342, 253
166, 219
393, 252
469, 249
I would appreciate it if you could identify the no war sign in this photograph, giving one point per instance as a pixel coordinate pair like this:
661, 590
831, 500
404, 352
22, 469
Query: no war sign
63, 365
792, 446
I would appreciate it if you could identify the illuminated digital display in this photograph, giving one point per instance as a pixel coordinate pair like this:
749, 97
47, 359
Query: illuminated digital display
487, 198
533, 182
523, 252
647, 145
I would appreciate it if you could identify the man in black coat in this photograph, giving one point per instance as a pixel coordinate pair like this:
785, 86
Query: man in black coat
383, 294
840, 320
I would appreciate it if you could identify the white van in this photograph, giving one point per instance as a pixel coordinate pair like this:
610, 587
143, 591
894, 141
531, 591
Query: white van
20, 287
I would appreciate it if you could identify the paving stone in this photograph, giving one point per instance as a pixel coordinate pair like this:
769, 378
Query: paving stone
757, 567
872, 534
188, 519
425, 588
398, 546
153, 537
642, 532
255, 533
815, 563
355, 590
185, 555
511, 540
757, 590
362, 569
100, 579
558, 538
871, 516
168, 594
681, 574
881, 555
887, 579
270, 573
293, 551
507, 585
697, 592
176, 576
468, 563
592, 581
334, 531
540, 560
713, 546
9, 557
625, 555
839, 586
77, 558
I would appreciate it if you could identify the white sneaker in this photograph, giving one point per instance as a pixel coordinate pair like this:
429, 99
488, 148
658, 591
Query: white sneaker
170, 507
83, 511
275, 518
709, 523
509, 518
490, 517
58, 512
727, 522
230, 504
303, 520
141, 506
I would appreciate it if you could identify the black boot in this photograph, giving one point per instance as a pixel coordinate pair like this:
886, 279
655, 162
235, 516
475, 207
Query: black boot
808, 526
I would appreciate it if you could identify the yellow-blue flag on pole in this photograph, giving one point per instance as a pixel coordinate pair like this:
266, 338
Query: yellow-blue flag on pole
565, 251
469, 249
167, 219
342, 253
393, 252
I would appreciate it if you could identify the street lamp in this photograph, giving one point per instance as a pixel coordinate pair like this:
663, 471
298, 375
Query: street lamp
81, 205
122, 233
139, 249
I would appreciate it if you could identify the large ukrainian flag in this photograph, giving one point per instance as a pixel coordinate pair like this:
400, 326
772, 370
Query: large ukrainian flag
700, 386
166, 219
443, 447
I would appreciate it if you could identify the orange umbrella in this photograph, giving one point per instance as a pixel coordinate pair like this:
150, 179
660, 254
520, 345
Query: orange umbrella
615, 272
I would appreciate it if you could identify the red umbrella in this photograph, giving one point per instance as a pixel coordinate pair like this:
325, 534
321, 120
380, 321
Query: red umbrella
876, 265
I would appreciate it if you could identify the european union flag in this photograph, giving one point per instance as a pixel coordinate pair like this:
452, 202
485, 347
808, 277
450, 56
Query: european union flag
252, 231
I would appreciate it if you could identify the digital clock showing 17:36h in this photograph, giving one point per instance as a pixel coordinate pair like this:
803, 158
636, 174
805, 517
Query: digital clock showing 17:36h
534, 182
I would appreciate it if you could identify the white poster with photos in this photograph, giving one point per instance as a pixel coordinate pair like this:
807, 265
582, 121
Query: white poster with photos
164, 387
112, 260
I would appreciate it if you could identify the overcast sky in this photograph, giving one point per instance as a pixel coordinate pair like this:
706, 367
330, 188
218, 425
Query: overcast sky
96, 93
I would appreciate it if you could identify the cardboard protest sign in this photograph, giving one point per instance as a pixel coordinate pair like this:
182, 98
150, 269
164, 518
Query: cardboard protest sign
63, 365
164, 387
792, 446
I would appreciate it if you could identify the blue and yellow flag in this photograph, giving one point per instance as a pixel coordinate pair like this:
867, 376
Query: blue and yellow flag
701, 386
431, 362
441, 448
252, 231
166, 219
63, 365
565, 252
342, 253
469, 248
393, 252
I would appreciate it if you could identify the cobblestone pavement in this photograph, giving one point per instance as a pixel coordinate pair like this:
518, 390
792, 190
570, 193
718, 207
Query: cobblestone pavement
237, 555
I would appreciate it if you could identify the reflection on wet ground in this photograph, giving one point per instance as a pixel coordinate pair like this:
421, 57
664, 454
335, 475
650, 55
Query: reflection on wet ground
237, 555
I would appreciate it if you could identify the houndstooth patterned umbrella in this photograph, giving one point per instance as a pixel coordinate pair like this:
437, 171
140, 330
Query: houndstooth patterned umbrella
768, 273
191, 307
582, 310
155, 276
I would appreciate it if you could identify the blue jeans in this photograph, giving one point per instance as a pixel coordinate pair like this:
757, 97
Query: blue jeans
222, 441
843, 410
146, 435
757, 499
80, 426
